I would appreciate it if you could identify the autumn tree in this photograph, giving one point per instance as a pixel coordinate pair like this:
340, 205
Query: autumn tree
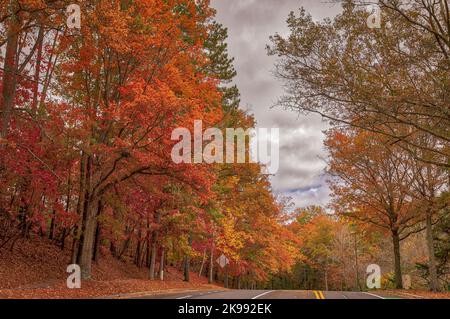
428, 182
114, 93
318, 235
34, 175
371, 184
332, 251
87, 116
393, 80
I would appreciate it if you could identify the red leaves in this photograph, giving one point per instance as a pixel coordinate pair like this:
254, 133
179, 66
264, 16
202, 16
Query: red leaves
95, 140
47, 278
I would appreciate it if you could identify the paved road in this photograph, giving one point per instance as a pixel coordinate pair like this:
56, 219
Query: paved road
265, 294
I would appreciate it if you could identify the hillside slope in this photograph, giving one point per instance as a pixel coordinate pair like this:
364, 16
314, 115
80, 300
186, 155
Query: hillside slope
38, 270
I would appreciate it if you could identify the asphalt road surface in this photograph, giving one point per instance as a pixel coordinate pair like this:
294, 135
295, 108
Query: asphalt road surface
265, 294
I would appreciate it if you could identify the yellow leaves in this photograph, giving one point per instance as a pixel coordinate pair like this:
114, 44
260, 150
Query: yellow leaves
231, 240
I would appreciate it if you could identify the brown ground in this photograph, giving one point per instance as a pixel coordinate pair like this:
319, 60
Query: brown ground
38, 270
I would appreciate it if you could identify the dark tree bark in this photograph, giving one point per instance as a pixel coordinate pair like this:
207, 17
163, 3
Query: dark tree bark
144, 256
37, 72
89, 225
187, 262
10, 71
211, 266
154, 248
397, 260
434, 283
80, 204
87, 244
65, 231
98, 235
226, 277
127, 242
149, 242
112, 249
137, 255
203, 263
51, 232
84, 202
152, 260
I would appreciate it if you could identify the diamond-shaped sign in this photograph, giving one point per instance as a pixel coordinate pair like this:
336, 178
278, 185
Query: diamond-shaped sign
223, 261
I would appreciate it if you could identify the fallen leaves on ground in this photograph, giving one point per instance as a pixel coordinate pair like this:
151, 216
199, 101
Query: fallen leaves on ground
38, 270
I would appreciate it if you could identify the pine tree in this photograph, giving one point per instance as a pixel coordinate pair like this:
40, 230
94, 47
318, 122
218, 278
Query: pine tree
221, 65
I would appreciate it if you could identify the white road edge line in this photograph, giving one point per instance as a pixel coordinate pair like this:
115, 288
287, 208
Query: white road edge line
185, 297
368, 293
263, 294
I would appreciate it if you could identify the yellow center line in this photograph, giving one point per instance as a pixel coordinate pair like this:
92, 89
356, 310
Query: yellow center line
316, 294
321, 295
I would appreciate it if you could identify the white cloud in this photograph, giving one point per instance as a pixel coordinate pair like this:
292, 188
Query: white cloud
250, 24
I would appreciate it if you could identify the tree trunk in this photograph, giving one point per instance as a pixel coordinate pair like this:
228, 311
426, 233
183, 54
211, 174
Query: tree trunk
51, 232
154, 248
75, 244
397, 261
203, 263
80, 204
98, 234
149, 249
84, 203
126, 244
89, 224
152, 260
87, 245
66, 231
137, 255
186, 269
62, 242
10, 71
211, 266
226, 277
112, 249
161, 264
187, 262
144, 256
37, 72
358, 284
434, 283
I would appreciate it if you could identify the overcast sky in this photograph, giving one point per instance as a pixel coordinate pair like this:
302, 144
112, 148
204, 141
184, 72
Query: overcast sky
250, 23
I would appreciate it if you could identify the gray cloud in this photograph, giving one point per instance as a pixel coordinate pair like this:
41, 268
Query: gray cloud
250, 23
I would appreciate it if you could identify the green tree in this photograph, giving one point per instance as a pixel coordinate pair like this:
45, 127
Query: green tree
221, 65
